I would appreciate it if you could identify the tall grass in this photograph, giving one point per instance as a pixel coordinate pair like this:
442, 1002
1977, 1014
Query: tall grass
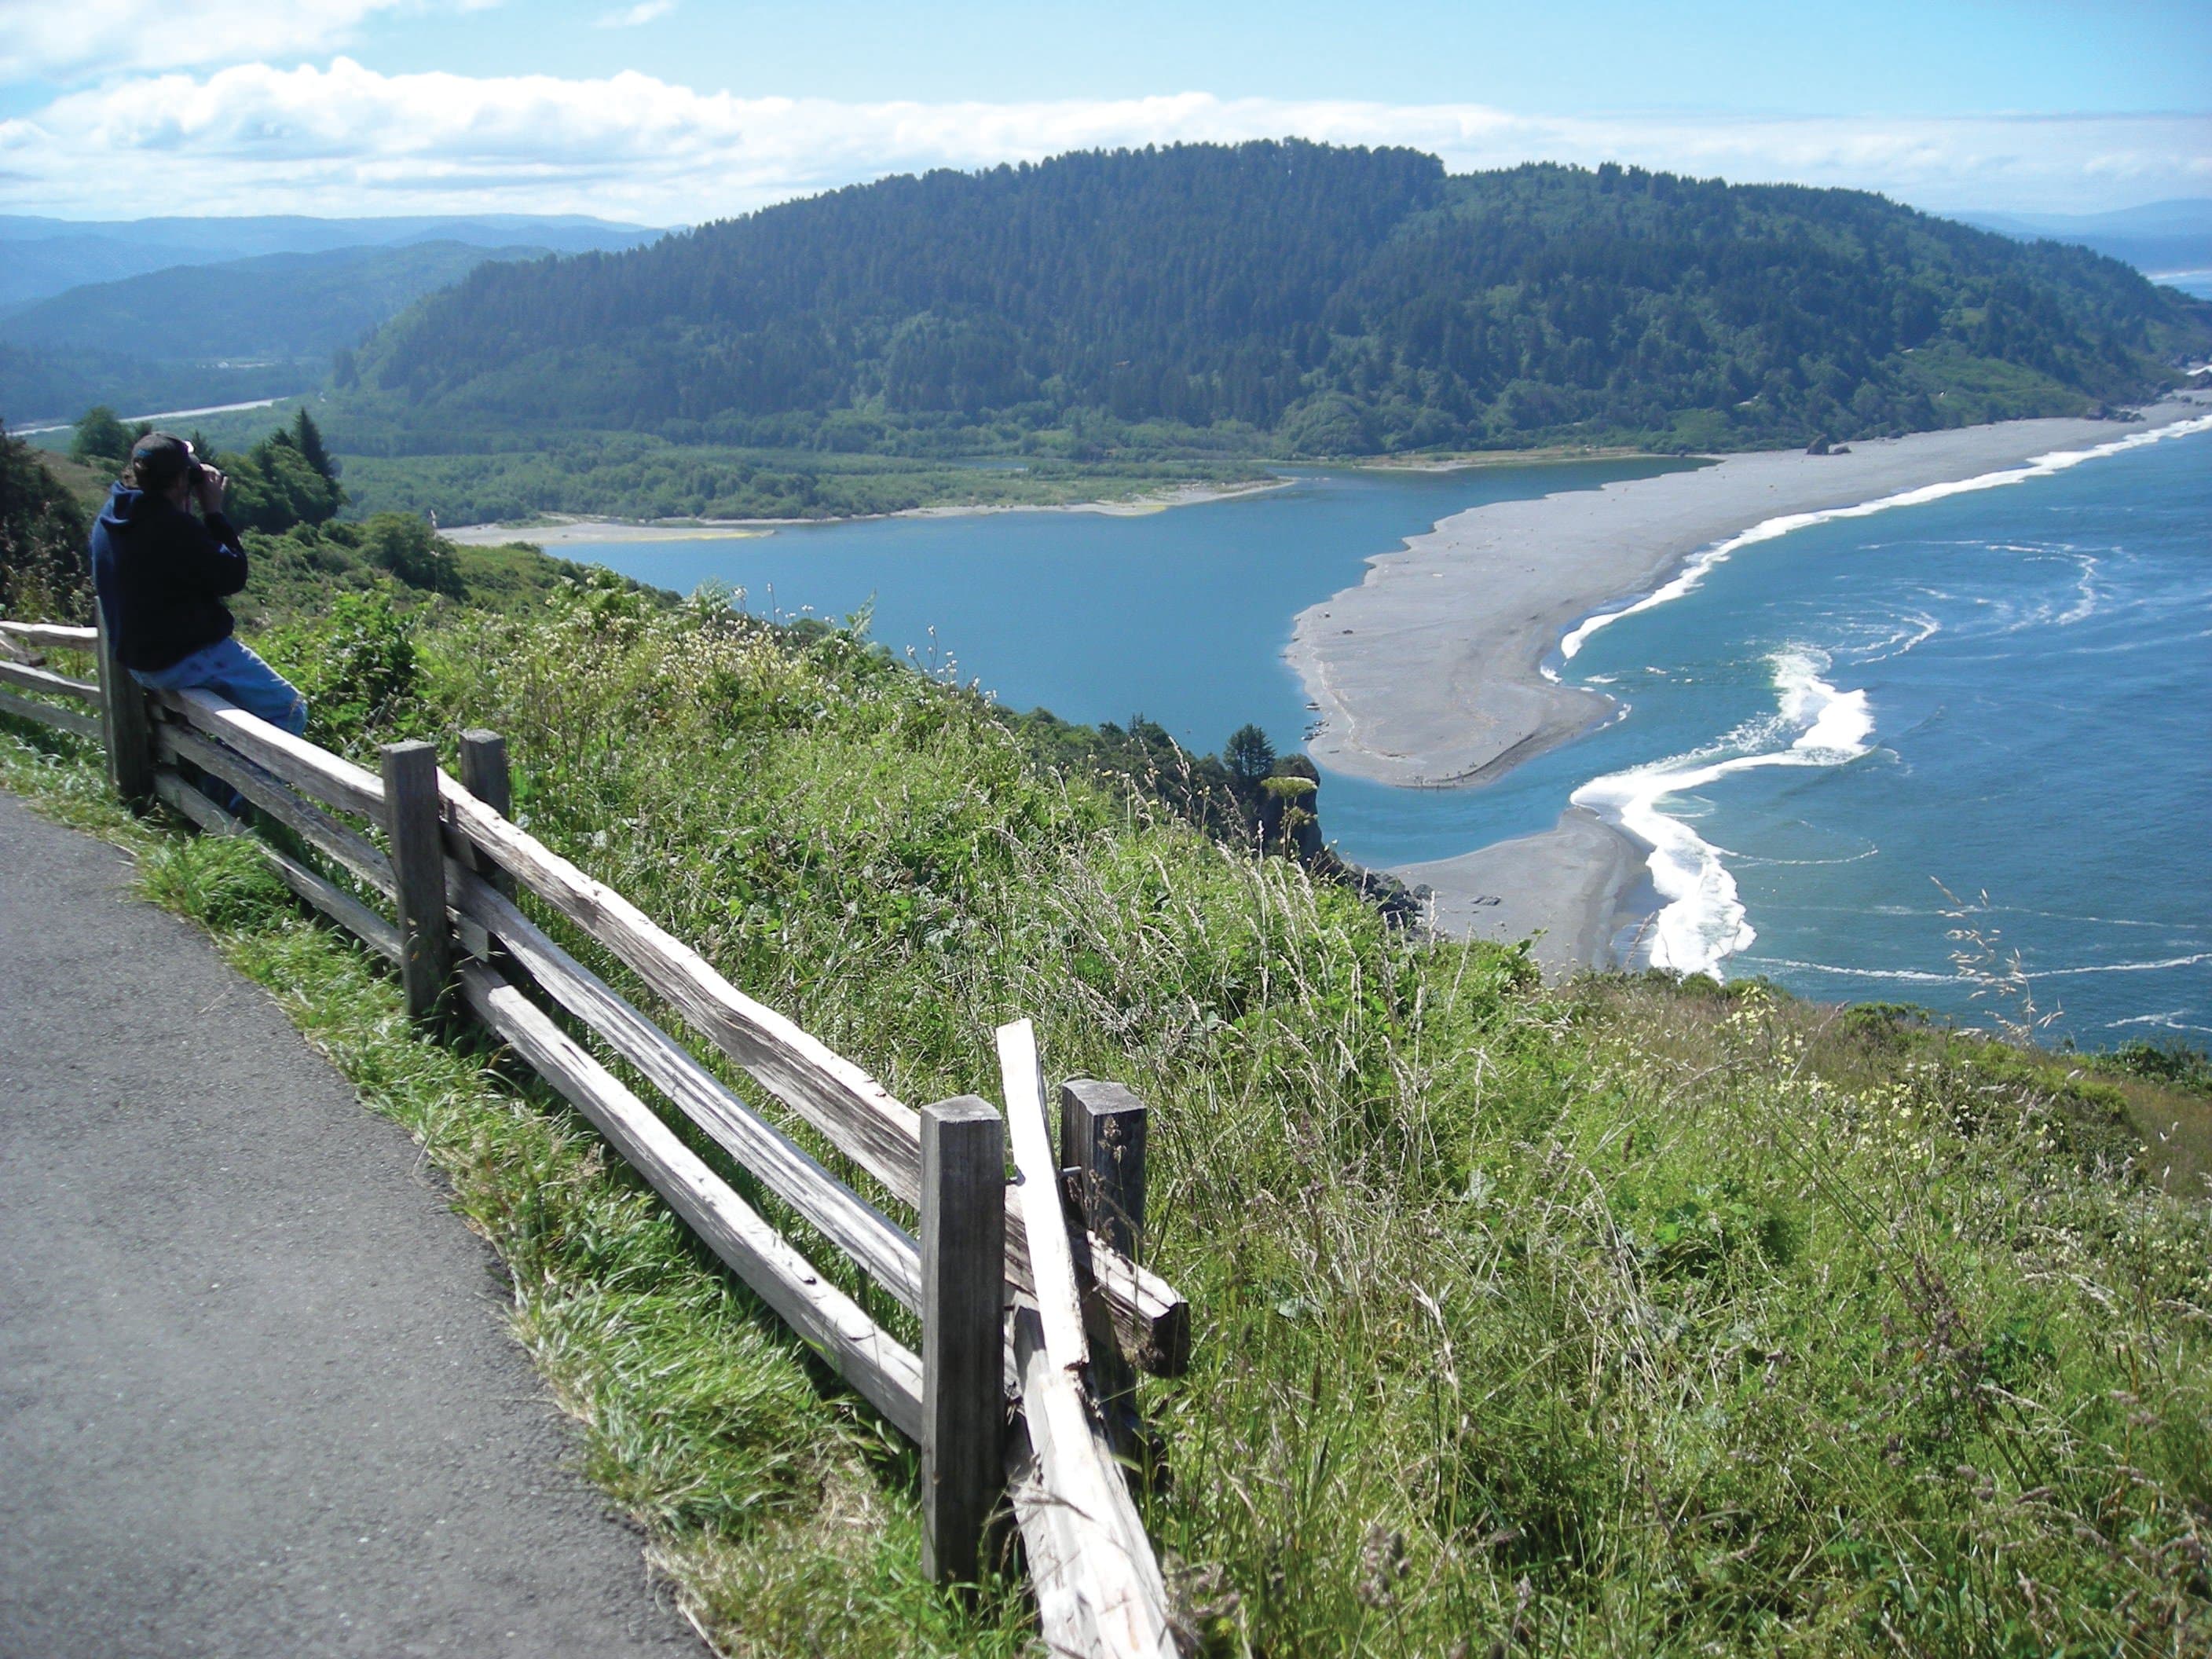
1625, 1317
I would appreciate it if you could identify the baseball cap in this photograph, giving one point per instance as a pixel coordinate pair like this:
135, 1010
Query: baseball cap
160, 459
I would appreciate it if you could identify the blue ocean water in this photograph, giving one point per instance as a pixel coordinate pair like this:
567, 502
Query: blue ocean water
1846, 736
2007, 690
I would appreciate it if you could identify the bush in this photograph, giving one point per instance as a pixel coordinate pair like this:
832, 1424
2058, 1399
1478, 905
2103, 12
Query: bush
43, 569
413, 552
102, 440
356, 664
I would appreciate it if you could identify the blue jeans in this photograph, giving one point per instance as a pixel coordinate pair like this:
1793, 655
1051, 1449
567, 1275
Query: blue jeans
230, 670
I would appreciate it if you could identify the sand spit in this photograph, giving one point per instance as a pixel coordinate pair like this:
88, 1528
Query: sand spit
1431, 671
563, 531
570, 533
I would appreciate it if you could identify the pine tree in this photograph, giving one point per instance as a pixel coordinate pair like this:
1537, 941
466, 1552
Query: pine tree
308, 439
1249, 755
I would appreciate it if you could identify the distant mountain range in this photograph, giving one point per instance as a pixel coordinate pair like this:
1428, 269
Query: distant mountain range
40, 257
2158, 237
194, 311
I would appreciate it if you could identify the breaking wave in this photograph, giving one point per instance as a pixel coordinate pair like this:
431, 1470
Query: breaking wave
1701, 564
1703, 921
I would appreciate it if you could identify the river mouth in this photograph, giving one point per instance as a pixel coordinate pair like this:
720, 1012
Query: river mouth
1183, 616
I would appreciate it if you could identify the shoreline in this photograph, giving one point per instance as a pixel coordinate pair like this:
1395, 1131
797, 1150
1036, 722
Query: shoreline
563, 530
1469, 460
1432, 673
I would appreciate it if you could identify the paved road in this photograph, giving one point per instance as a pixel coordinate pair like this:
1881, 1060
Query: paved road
255, 1397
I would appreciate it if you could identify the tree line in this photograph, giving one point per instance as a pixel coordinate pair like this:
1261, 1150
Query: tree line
1293, 296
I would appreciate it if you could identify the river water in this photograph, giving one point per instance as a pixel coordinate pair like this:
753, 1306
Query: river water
2006, 691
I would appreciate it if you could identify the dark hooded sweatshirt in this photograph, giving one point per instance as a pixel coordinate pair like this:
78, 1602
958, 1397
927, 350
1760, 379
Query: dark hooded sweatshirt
162, 575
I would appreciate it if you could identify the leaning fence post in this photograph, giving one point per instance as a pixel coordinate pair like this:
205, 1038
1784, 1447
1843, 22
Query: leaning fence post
964, 1256
411, 820
484, 774
125, 727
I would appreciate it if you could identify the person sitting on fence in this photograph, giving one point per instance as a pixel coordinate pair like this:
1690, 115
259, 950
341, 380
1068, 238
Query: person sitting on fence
162, 575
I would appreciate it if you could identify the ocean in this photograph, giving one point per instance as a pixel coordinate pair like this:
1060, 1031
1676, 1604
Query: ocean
1956, 751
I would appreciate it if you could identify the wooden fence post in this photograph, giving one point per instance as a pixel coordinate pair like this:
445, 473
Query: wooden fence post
484, 774
1102, 1147
964, 1271
125, 727
1102, 1133
411, 819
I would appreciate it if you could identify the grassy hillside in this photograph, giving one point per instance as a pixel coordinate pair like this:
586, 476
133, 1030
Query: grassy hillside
1625, 1317
1289, 297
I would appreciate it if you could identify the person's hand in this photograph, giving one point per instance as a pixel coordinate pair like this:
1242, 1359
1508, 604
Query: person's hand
214, 487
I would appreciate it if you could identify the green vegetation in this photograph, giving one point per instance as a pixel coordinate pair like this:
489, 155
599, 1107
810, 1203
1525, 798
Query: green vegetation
1278, 298
636, 475
1629, 1317
44, 385
43, 526
779, 1509
1107, 325
184, 324
287, 478
273, 307
285, 490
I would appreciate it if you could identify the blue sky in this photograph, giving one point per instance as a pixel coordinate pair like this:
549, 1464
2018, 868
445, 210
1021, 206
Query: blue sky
669, 110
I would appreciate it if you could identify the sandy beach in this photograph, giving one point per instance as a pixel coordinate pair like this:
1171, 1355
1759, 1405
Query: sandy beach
570, 533
1565, 889
1431, 671
564, 531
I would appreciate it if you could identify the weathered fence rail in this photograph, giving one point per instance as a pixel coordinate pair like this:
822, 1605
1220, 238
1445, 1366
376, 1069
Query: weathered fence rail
1034, 1307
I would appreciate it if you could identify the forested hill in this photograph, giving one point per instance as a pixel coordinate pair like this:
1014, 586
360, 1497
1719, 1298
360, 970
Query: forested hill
1287, 296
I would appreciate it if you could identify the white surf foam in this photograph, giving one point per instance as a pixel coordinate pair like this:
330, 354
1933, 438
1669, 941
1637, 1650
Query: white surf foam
1915, 975
1703, 921
1701, 564
2173, 1019
2159, 966
1898, 976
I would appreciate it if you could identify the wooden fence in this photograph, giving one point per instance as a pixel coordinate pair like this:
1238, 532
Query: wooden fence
1034, 1309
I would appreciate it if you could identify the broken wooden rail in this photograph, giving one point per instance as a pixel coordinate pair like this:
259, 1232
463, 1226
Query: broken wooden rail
1033, 1306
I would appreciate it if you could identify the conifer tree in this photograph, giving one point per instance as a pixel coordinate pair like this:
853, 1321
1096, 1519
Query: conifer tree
1249, 755
308, 439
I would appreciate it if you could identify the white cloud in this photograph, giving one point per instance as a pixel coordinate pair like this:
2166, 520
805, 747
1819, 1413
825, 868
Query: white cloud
637, 17
346, 139
41, 39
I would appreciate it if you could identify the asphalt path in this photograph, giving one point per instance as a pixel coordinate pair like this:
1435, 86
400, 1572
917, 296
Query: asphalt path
256, 1397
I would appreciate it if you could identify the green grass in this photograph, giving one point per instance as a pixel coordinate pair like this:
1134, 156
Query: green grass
782, 1509
1625, 1317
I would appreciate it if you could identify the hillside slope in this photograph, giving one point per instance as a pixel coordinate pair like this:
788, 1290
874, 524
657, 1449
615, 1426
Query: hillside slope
274, 305
1293, 296
197, 334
